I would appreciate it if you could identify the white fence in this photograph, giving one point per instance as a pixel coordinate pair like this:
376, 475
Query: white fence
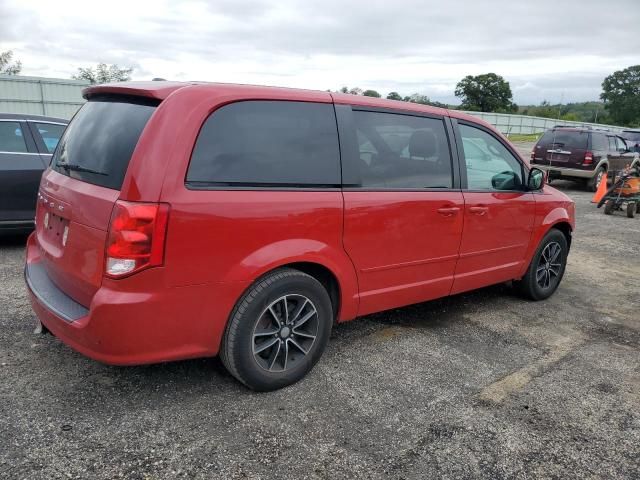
523, 124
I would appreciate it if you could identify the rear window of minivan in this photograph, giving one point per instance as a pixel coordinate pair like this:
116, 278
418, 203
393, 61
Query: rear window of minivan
267, 143
99, 142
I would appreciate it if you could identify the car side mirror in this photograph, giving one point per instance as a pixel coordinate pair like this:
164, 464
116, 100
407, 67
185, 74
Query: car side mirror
536, 179
506, 180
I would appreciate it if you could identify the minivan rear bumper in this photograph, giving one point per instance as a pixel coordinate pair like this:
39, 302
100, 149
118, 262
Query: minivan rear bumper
134, 323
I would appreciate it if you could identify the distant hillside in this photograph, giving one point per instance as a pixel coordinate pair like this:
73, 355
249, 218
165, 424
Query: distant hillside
580, 112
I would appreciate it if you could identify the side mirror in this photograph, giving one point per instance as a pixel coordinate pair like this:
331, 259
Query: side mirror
506, 180
536, 179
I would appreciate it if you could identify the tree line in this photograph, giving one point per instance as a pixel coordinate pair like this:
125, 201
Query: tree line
488, 92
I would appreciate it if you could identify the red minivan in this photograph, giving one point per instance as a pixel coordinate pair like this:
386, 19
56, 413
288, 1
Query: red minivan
181, 220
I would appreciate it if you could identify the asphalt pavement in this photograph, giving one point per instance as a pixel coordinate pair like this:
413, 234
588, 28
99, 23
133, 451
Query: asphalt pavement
480, 385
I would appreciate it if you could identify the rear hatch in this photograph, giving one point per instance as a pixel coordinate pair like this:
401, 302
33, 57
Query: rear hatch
79, 189
562, 148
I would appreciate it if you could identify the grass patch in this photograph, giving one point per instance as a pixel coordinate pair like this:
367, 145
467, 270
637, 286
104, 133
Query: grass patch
524, 137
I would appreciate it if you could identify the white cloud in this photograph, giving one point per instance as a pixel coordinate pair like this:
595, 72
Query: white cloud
546, 49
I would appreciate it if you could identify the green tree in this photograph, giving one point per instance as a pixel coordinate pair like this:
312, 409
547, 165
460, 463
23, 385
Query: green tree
570, 117
423, 100
352, 91
417, 98
6, 67
546, 110
394, 96
621, 94
485, 93
371, 93
104, 73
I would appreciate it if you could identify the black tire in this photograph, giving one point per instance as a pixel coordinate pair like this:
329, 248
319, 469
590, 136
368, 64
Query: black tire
529, 285
638, 207
631, 209
592, 184
608, 207
256, 306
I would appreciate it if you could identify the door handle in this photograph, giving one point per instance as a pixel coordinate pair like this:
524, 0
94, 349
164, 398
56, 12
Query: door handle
478, 210
448, 211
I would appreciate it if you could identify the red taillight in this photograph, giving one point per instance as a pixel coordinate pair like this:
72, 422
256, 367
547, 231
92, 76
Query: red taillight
588, 158
136, 237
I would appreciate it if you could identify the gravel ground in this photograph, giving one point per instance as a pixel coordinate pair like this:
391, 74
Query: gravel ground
480, 385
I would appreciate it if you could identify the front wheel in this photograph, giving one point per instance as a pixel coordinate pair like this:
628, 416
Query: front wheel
278, 330
546, 268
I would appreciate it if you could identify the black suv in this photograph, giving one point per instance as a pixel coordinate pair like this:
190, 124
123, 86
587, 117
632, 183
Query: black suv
26, 145
582, 153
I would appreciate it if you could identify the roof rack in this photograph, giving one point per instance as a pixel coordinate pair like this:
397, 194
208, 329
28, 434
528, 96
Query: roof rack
584, 127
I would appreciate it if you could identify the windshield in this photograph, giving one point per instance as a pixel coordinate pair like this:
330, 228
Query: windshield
631, 136
98, 143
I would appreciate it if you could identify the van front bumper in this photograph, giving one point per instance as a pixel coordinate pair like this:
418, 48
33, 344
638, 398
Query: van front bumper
133, 322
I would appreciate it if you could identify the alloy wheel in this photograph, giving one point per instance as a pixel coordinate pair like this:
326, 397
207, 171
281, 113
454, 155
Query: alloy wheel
285, 332
549, 265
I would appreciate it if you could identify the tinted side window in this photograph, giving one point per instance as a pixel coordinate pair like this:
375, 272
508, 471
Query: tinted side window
620, 144
50, 134
402, 151
490, 165
12, 138
599, 141
612, 143
268, 143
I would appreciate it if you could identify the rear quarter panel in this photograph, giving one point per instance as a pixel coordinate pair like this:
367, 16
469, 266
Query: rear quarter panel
232, 237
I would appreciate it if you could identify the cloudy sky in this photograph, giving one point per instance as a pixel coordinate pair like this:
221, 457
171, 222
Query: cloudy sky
546, 49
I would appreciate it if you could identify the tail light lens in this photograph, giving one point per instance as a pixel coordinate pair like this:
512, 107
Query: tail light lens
136, 238
588, 158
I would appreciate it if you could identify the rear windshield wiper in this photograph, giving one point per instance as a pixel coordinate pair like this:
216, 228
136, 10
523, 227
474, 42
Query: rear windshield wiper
78, 168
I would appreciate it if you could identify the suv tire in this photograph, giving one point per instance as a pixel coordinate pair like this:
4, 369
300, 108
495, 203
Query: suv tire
546, 268
594, 183
274, 338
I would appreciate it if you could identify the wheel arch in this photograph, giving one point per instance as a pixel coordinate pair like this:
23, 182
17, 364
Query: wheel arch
559, 219
565, 228
326, 277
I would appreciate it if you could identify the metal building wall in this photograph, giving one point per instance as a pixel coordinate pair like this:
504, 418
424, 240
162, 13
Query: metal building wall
524, 124
61, 98
54, 97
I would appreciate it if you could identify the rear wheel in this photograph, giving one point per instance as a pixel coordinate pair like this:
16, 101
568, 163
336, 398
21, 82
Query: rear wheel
594, 183
608, 207
278, 330
631, 209
546, 268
